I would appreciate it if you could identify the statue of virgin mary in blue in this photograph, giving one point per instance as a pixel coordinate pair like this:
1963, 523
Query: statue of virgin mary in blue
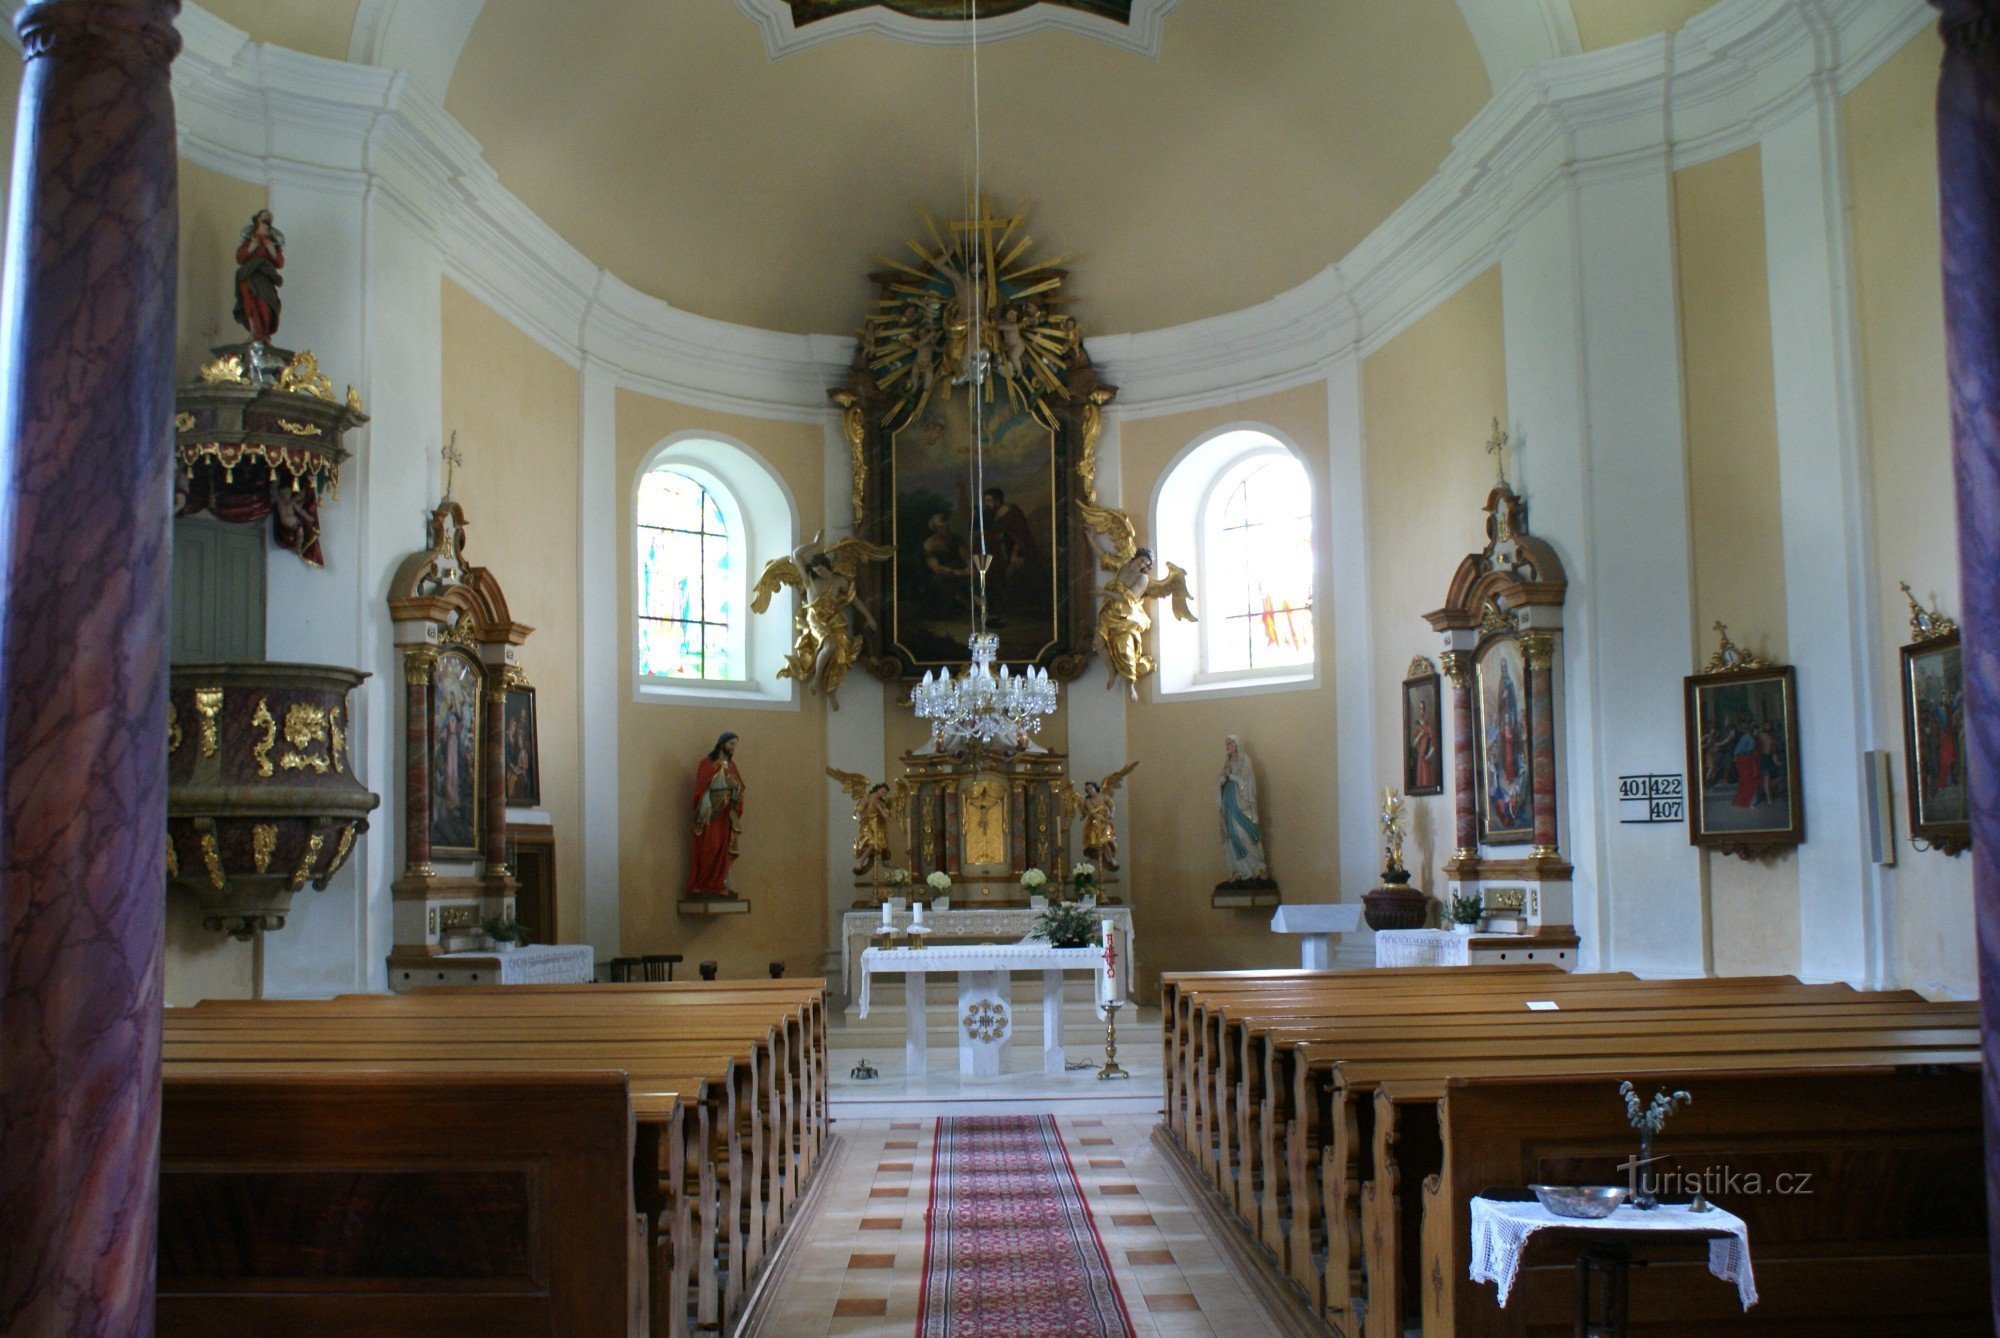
1242, 830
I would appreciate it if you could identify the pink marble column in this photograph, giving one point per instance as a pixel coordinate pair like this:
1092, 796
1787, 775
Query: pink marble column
86, 415
1968, 129
1458, 668
493, 772
1538, 648
417, 763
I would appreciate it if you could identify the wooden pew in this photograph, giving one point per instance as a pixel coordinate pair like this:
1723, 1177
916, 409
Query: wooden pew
325, 1206
1891, 1238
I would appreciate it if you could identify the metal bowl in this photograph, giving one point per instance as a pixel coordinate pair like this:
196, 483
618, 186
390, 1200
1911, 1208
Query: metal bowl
1589, 1201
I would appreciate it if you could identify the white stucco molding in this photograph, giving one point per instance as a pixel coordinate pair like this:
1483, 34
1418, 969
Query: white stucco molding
1737, 69
1514, 36
781, 38
423, 38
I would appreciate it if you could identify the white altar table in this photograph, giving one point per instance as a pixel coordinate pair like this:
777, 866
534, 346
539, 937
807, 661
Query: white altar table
1316, 923
985, 1004
979, 924
530, 964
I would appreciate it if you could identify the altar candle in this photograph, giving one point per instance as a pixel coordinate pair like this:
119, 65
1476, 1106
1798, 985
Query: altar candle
916, 912
1107, 975
887, 923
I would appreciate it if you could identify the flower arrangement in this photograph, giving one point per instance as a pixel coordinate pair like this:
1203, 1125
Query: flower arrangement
1067, 925
1465, 910
1084, 879
1649, 1120
1033, 881
939, 882
898, 879
505, 929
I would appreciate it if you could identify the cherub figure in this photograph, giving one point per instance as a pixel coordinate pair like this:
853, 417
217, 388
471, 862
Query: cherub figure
1122, 616
826, 646
873, 806
1100, 832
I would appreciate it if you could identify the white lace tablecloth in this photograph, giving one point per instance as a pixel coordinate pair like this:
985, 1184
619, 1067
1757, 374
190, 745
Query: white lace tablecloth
1500, 1232
538, 964
1422, 947
1034, 956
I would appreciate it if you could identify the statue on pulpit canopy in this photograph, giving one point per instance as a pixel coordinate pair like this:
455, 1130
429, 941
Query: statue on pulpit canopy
718, 821
260, 254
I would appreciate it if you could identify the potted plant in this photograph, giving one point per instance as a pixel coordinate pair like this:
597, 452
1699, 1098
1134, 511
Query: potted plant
1465, 913
1083, 878
898, 885
1067, 925
939, 883
506, 932
1032, 882
1649, 1120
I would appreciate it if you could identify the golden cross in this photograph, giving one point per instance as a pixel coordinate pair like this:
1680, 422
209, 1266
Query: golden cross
1496, 446
453, 457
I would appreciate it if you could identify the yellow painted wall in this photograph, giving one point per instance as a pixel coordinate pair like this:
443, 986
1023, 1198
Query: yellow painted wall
202, 964
1734, 514
1602, 23
1173, 830
515, 407
782, 753
1899, 314
1428, 398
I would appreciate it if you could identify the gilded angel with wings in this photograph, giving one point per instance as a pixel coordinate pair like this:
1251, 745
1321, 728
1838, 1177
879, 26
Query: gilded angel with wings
826, 646
873, 806
1122, 616
1100, 832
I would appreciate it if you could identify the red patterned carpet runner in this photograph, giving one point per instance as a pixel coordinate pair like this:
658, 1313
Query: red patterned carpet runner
1011, 1248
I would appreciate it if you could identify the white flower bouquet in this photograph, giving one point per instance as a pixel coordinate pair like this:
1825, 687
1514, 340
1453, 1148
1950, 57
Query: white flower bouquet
940, 881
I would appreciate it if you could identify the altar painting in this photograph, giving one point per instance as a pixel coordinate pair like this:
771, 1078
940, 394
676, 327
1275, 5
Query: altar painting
1506, 767
456, 680
937, 506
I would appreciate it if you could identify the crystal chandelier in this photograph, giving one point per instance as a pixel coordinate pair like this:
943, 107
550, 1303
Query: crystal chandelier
980, 706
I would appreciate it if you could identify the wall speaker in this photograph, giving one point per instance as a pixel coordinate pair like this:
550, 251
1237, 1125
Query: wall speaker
1881, 807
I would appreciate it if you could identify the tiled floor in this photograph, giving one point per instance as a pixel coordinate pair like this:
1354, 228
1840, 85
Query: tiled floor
858, 1268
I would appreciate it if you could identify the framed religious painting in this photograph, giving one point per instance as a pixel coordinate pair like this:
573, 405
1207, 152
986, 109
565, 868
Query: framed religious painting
1934, 743
1742, 722
1505, 769
1423, 732
520, 751
457, 682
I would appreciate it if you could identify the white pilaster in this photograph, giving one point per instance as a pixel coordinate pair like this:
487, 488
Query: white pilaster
1823, 502
1344, 576
600, 672
1593, 385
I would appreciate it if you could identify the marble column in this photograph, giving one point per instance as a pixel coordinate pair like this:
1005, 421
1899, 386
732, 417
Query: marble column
417, 662
1538, 649
1458, 668
1968, 128
86, 407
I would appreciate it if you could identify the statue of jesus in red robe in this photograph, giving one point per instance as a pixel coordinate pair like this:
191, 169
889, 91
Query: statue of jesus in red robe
718, 820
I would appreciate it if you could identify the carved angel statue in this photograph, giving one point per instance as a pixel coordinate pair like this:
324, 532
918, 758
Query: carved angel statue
1122, 617
826, 646
873, 806
1100, 833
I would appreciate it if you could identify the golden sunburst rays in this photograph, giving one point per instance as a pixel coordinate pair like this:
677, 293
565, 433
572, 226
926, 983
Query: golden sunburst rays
919, 336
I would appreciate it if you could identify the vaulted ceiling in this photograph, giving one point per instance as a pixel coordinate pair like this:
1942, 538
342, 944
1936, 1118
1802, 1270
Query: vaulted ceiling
662, 139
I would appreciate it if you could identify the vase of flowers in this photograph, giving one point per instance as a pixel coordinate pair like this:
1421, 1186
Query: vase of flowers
1067, 925
939, 882
1032, 883
1649, 1120
896, 888
506, 932
1083, 880
1465, 913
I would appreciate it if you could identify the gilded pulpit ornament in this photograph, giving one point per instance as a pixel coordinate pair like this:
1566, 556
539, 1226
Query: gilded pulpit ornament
825, 645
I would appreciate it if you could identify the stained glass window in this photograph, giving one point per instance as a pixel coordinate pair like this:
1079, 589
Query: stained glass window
687, 580
1257, 567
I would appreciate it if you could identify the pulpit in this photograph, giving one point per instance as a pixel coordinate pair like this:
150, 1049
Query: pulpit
985, 819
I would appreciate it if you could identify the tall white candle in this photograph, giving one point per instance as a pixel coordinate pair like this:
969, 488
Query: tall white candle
1107, 975
886, 921
916, 912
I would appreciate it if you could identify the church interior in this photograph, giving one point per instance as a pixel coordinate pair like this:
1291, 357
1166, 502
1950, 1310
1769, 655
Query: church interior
1087, 668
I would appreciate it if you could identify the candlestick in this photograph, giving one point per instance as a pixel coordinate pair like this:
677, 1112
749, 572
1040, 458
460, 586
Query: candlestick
1111, 1068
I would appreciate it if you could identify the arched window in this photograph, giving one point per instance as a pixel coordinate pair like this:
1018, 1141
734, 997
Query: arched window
707, 514
689, 580
1256, 567
1237, 508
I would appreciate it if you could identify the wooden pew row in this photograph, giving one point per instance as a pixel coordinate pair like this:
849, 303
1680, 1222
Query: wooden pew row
1363, 1232
736, 1182
329, 1205
1889, 1237
1273, 1166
